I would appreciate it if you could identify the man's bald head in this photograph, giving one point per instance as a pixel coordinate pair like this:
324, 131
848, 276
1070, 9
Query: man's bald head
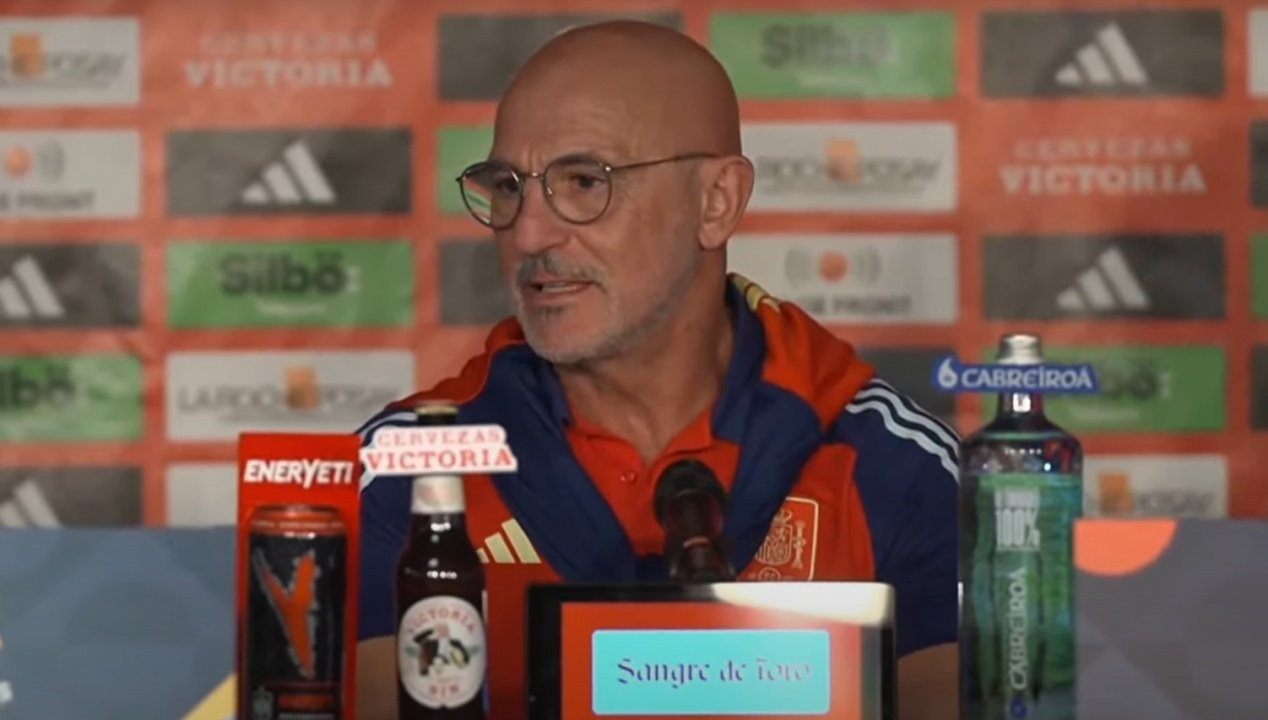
658, 108
657, 88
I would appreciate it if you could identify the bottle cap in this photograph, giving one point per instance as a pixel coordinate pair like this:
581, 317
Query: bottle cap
1020, 349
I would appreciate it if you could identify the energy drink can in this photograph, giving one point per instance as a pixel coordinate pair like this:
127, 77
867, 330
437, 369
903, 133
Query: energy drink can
293, 642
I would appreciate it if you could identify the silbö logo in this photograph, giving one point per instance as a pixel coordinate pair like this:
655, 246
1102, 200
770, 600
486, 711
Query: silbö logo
950, 375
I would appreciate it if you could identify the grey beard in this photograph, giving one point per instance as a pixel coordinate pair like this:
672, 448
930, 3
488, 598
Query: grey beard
621, 339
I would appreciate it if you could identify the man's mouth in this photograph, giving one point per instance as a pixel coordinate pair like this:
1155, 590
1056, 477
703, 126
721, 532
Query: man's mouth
557, 287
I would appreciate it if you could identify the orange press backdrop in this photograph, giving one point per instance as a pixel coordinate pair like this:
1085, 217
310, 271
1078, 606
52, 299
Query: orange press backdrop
226, 216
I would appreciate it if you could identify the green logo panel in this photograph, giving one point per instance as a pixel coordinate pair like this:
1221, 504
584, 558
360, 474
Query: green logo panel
1259, 275
459, 146
290, 284
1144, 388
69, 398
856, 55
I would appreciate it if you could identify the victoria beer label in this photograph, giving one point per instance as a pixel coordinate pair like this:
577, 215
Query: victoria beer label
298, 541
442, 652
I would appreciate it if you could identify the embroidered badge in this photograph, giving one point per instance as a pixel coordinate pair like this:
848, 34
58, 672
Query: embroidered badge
788, 553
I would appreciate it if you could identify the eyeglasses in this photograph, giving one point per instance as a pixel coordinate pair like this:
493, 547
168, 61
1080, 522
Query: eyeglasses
577, 188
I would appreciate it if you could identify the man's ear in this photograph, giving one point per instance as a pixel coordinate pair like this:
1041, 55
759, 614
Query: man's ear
726, 186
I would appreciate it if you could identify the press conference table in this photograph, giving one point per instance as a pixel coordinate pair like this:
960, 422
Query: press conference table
138, 623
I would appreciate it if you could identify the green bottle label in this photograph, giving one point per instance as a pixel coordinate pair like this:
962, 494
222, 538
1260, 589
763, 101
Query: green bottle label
1020, 595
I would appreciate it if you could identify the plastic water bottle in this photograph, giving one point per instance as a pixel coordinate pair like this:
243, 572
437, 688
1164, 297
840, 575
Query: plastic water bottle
1021, 489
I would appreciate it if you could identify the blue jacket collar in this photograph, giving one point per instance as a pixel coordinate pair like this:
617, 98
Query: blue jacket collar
565, 515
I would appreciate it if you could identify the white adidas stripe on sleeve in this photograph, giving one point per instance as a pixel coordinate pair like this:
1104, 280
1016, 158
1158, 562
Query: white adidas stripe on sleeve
928, 433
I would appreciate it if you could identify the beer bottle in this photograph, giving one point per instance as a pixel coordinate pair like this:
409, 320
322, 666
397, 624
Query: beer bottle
442, 647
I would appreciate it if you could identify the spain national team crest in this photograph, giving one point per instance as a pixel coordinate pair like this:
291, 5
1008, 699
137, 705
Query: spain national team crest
788, 552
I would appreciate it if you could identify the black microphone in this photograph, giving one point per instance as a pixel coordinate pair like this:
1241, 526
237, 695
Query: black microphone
689, 504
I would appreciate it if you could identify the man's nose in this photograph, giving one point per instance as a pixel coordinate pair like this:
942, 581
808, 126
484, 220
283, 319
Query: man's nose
537, 228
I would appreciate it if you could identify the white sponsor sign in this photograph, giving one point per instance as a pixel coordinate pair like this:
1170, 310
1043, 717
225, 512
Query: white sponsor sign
856, 278
853, 167
458, 449
202, 494
69, 62
1257, 74
70, 174
303, 473
218, 395
1155, 486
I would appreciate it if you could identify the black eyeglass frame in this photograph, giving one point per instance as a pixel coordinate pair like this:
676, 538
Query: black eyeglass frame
521, 177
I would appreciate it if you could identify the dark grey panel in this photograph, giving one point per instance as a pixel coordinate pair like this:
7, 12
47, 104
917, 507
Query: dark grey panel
73, 285
1126, 53
471, 287
70, 496
910, 370
1259, 163
289, 172
479, 54
1104, 276
1182, 637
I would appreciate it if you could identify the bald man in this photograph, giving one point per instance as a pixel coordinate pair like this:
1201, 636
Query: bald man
614, 182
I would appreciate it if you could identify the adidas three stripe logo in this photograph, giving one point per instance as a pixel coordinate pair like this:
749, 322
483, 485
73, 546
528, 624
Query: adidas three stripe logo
293, 180
905, 419
1109, 284
28, 508
508, 546
1107, 60
25, 293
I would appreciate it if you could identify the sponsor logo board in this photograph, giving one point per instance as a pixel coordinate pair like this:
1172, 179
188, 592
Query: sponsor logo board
289, 172
472, 291
52, 497
67, 398
1259, 275
360, 283
478, 54
853, 167
458, 146
1257, 40
1259, 163
70, 174
856, 278
860, 55
1137, 160
69, 62
908, 370
202, 494
1095, 53
1143, 388
1104, 277
77, 285
214, 396
1155, 486
286, 60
